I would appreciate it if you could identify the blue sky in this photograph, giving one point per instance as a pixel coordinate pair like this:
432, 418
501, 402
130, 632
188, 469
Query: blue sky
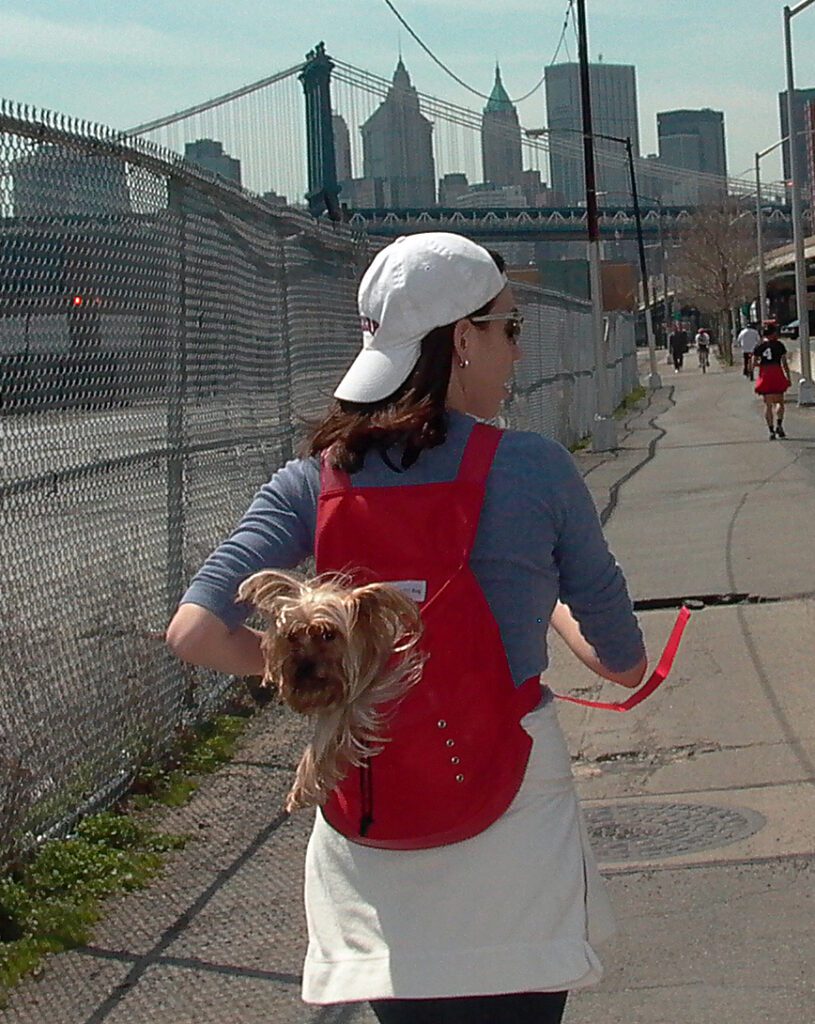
124, 62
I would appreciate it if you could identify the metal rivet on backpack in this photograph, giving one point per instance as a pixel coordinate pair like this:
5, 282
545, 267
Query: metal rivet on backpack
459, 778
455, 760
449, 743
442, 724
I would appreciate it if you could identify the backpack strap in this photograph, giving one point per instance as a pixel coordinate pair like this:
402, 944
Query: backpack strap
331, 478
479, 453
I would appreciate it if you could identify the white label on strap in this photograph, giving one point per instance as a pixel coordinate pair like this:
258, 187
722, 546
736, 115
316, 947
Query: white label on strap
416, 590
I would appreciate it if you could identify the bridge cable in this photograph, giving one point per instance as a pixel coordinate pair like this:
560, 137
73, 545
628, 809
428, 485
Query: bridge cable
199, 108
448, 71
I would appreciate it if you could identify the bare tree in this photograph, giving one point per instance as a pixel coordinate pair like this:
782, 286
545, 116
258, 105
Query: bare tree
715, 265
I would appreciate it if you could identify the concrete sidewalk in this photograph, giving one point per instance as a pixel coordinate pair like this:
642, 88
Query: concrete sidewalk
701, 802
709, 787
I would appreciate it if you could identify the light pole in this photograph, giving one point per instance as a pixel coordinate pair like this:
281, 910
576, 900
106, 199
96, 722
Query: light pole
604, 434
762, 275
806, 391
654, 380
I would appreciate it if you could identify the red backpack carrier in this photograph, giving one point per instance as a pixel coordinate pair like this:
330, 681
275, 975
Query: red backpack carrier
455, 753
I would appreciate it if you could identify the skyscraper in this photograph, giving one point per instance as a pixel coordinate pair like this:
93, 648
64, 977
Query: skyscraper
397, 146
800, 99
342, 147
501, 138
209, 154
614, 112
693, 140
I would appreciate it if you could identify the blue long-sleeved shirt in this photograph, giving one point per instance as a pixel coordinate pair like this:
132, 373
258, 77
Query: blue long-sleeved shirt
539, 539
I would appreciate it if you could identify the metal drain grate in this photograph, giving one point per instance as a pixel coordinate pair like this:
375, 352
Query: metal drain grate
644, 831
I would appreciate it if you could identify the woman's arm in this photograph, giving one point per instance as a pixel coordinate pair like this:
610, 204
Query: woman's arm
199, 637
277, 530
595, 615
786, 368
565, 624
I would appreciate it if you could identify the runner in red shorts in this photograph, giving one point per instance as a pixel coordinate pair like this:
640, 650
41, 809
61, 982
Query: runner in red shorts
770, 358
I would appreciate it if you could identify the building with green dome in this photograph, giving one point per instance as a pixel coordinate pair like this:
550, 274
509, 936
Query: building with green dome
501, 138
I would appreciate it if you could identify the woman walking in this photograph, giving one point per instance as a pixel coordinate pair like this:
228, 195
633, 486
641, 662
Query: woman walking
461, 888
770, 359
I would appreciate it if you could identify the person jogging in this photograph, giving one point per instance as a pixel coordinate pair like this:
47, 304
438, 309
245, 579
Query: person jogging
494, 913
770, 359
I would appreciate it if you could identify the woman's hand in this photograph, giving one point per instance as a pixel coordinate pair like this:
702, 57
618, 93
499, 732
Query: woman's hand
197, 636
565, 624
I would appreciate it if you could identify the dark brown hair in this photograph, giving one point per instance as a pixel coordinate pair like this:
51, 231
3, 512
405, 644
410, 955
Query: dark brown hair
413, 416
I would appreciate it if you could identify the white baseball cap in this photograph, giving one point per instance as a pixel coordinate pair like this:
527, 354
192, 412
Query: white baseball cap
415, 284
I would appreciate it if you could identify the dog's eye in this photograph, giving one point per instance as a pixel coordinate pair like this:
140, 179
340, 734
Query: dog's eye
328, 634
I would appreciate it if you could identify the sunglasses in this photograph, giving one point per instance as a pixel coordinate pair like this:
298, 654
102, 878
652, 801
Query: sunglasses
514, 323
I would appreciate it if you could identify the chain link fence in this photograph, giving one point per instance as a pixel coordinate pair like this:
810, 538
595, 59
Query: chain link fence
163, 336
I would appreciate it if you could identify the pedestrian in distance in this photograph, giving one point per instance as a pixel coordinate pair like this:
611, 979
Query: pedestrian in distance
747, 340
678, 346
448, 876
770, 359
702, 340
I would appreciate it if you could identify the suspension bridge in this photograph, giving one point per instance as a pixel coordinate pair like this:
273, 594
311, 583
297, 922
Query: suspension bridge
283, 131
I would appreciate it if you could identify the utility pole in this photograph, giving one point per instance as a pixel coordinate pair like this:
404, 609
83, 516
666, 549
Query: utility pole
604, 434
806, 391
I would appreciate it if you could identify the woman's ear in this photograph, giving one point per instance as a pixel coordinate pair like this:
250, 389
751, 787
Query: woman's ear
461, 340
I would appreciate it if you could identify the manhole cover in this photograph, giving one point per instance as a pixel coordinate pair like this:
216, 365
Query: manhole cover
644, 831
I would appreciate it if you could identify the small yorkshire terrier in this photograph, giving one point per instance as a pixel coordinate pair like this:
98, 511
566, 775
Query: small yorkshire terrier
338, 653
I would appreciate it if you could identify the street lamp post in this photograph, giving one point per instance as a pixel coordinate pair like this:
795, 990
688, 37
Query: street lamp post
762, 274
654, 380
666, 304
806, 391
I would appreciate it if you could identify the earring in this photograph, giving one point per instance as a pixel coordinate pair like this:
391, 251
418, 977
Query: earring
463, 363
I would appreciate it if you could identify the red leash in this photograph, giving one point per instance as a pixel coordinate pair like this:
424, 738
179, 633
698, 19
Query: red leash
656, 678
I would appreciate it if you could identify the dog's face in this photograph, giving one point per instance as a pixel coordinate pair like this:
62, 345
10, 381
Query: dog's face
326, 640
340, 653
310, 652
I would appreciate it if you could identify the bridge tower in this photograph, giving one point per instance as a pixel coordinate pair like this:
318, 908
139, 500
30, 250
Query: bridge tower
323, 190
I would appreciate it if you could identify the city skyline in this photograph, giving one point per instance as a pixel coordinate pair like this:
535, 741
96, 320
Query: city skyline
122, 64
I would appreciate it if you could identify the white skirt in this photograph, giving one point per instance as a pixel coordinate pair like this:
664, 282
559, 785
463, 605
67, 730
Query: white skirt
517, 908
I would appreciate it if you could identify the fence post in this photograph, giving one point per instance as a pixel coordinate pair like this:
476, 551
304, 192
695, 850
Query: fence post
176, 388
287, 447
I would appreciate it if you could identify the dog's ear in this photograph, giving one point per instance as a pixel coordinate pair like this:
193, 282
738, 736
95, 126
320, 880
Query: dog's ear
263, 588
379, 604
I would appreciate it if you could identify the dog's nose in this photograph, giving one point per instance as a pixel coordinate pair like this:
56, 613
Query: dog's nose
304, 670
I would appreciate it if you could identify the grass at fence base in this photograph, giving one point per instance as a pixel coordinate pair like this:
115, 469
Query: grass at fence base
50, 903
629, 402
200, 751
623, 409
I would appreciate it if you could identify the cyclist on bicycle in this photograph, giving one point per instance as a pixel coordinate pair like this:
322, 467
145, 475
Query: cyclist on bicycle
702, 340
